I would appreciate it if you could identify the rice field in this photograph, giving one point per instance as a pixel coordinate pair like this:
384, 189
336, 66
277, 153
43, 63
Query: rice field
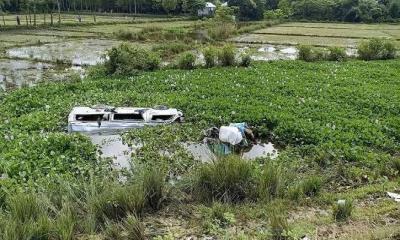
321, 34
11, 20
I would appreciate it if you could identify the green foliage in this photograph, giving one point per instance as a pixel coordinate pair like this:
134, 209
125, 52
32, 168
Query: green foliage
310, 54
342, 210
274, 14
226, 180
168, 50
128, 59
312, 186
210, 56
376, 49
226, 56
223, 25
186, 61
245, 60
270, 183
396, 165
337, 54
154, 187
134, 228
117, 202
278, 222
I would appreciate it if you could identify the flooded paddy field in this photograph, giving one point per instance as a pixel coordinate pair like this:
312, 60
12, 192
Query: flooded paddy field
319, 34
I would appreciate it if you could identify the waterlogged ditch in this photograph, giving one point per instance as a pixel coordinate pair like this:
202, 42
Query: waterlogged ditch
111, 146
28, 65
78, 52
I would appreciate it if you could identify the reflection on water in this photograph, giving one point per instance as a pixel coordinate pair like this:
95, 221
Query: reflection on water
18, 73
79, 52
202, 152
23, 73
275, 52
112, 146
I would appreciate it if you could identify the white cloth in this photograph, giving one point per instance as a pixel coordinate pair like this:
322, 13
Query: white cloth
230, 135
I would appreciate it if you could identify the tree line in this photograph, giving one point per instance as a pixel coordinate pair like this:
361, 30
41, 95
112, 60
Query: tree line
329, 10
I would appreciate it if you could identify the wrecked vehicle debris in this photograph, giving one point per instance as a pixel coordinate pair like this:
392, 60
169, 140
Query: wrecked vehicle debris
104, 118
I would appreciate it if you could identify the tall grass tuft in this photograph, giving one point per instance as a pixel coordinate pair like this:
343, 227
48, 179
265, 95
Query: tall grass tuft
24, 207
270, 182
342, 210
226, 56
228, 179
312, 186
116, 202
210, 56
278, 222
186, 61
396, 165
154, 187
66, 223
134, 228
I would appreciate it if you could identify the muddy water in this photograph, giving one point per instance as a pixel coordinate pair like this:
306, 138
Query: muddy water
112, 146
202, 152
79, 52
23, 73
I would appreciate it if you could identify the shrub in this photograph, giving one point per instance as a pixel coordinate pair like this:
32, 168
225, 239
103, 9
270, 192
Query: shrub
312, 186
396, 165
154, 187
187, 61
337, 54
227, 180
270, 182
376, 49
342, 210
128, 59
310, 54
220, 214
245, 60
170, 49
226, 56
125, 35
210, 56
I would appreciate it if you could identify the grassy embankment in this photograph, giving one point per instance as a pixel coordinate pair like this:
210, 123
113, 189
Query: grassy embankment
336, 125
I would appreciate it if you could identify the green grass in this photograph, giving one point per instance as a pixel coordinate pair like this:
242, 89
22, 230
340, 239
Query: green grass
345, 113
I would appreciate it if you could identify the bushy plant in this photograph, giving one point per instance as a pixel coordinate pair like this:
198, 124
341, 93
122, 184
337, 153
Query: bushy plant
154, 187
270, 182
226, 55
337, 54
396, 165
125, 35
376, 49
310, 54
170, 49
312, 186
342, 210
210, 56
187, 61
128, 59
245, 60
227, 179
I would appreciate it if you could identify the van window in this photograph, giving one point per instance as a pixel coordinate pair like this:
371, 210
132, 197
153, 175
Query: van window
127, 117
90, 117
161, 117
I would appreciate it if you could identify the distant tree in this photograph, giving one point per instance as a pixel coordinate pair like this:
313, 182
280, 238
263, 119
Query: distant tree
249, 9
394, 8
169, 5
